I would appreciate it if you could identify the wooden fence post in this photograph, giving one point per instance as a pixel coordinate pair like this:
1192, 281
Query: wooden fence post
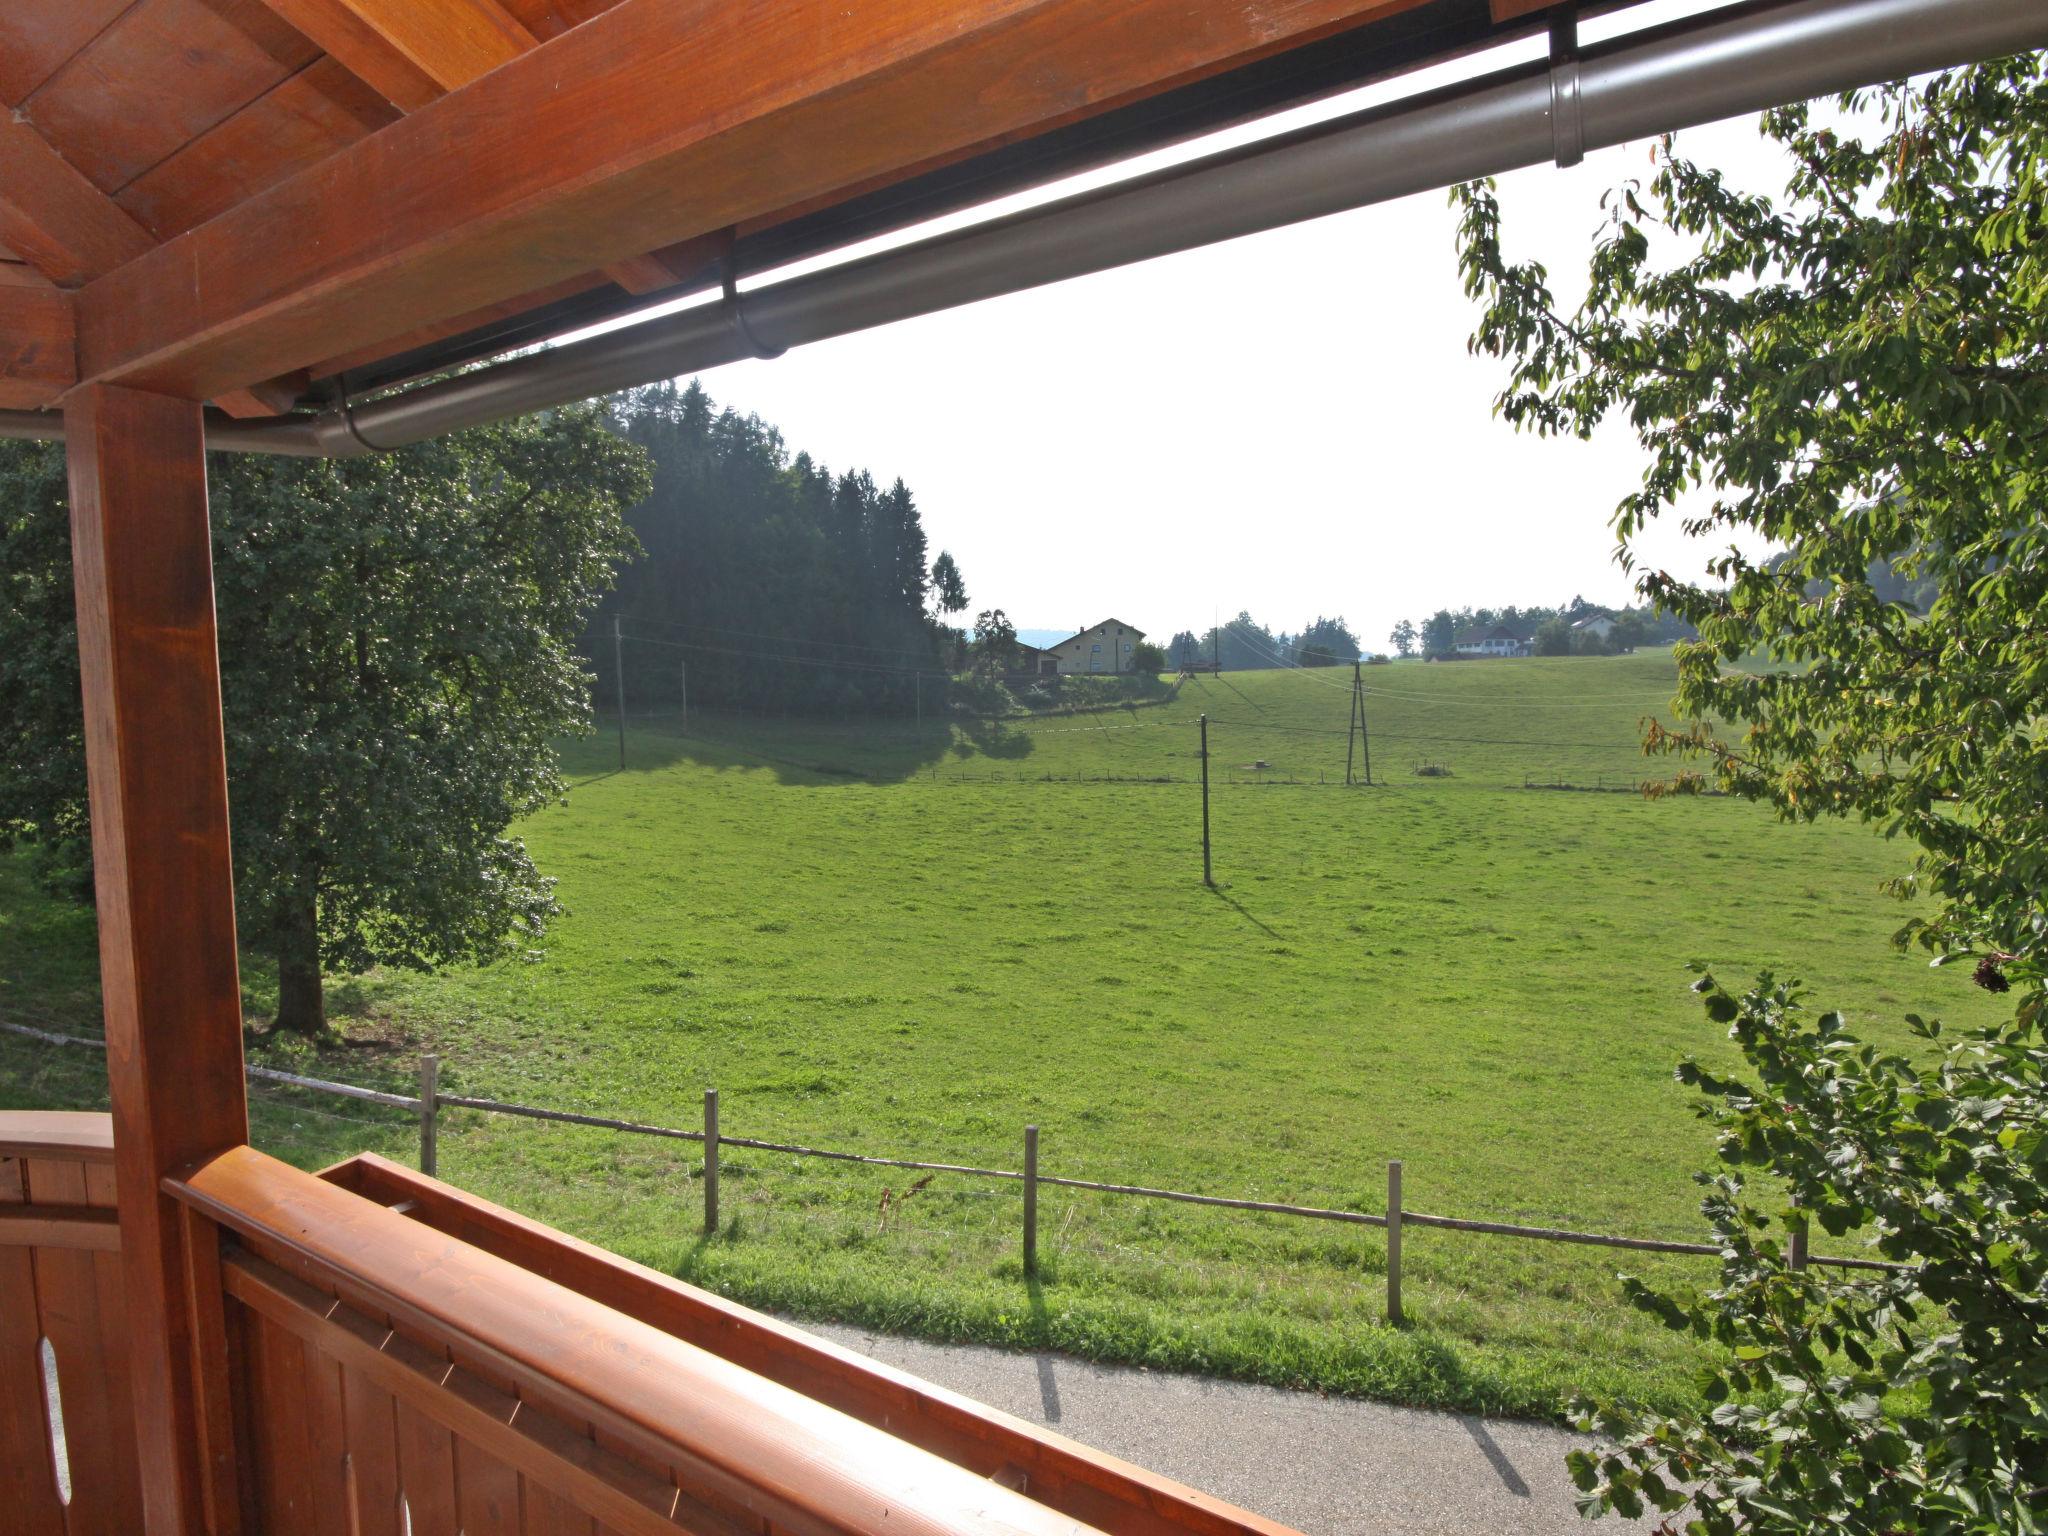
711, 1161
1798, 1245
430, 1109
1030, 1199
1394, 1242
1208, 874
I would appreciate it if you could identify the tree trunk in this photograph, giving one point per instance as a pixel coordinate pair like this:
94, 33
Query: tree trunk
301, 1004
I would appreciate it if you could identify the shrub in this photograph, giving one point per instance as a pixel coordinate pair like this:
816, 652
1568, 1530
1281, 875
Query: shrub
1853, 1401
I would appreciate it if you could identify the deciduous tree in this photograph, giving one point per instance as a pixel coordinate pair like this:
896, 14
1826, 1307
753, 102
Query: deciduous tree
396, 668
1858, 373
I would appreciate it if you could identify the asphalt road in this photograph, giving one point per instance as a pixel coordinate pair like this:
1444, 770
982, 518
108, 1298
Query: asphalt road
1327, 1466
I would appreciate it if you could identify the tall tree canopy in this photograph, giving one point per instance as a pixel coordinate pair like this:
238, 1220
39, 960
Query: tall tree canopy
1858, 372
1325, 642
778, 585
396, 664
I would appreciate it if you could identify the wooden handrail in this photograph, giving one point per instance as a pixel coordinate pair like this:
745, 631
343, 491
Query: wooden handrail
1073, 1478
744, 1441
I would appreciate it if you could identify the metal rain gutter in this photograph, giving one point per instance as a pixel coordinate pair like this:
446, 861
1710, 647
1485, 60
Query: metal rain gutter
1730, 62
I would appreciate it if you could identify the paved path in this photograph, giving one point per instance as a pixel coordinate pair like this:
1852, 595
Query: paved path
1327, 1466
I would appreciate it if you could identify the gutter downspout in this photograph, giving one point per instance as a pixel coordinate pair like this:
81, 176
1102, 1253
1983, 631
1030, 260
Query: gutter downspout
1738, 60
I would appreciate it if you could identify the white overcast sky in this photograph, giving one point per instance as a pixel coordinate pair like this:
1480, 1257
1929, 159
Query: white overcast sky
1288, 423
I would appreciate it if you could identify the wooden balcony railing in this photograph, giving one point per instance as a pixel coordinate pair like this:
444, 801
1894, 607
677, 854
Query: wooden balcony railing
67, 1421
1092, 1487
382, 1355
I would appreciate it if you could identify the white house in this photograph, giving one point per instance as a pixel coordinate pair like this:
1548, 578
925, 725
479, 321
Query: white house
1599, 624
1107, 647
1497, 641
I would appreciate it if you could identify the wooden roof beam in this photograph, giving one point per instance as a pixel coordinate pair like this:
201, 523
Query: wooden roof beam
71, 232
38, 361
647, 125
412, 54
55, 219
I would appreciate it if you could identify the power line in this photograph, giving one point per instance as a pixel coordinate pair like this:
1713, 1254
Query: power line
801, 661
749, 634
1282, 661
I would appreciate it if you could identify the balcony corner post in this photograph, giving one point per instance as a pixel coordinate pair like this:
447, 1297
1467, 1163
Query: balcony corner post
142, 563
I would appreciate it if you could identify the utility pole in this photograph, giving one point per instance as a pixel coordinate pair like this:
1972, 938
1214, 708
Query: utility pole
683, 669
1351, 725
619, 677
1357, 725
1364, 736
1208, 876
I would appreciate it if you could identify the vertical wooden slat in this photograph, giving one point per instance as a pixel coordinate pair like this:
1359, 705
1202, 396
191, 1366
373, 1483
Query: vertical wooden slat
281, 1457
28, 1477
372, 1457
489, 1491
547, 1515
111, 1286
327, 1428
241, 1323
142, 567
426, 1454
219, 1458
98, 1426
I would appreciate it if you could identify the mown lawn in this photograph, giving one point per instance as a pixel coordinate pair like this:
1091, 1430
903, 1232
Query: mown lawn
866, 939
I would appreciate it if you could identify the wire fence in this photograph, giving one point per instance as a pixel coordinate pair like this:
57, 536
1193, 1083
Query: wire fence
430, 1100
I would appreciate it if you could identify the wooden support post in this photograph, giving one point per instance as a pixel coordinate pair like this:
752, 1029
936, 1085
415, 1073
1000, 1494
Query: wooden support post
711, 1160
619, 681
142, 562
1796, 1254
1394, 1243
1208, 875
430, 1109
1030, 1199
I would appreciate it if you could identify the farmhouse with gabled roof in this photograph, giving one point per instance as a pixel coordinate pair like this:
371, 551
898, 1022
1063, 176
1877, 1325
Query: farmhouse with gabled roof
1497, 641
1107, 647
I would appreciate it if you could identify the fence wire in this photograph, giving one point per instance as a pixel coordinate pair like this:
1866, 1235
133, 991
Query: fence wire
1394, 1217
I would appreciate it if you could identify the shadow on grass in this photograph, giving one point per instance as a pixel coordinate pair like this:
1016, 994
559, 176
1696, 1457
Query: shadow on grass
800, 751
1239, 908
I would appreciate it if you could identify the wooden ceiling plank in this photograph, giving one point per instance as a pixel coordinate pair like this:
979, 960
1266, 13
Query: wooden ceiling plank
1513, 10
160, 76
37, 357
585, 151
56, 220
307, 117
38, 40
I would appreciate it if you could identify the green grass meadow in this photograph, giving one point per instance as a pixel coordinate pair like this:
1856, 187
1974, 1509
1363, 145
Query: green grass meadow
910, 943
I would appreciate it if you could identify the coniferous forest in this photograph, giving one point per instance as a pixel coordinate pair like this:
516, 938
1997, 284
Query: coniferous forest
781, 586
